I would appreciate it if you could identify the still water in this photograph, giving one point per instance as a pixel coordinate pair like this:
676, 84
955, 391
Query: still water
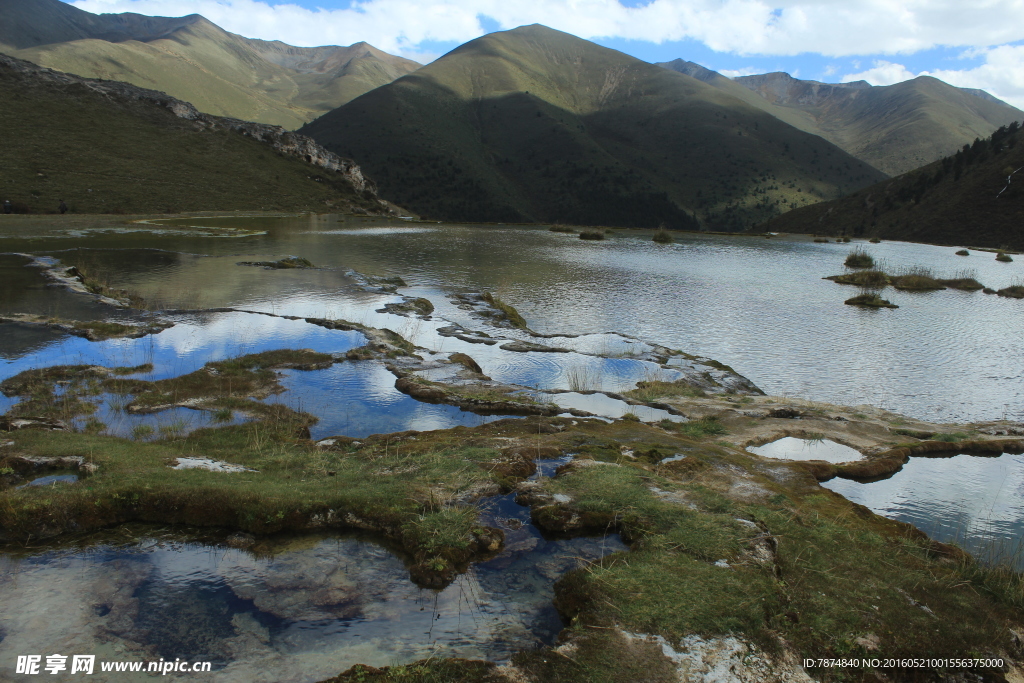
291, 610
756, 304
792, 448
974, 501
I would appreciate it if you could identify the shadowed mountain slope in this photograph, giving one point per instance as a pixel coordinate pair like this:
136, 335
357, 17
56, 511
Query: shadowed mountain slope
195, 60
30, 23
110, 147
537, 125
974, 197
895, 128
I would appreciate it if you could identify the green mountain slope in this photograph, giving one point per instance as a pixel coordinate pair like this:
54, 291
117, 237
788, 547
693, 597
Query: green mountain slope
895, 128
194, 60
537, 125
974, 197
108, 147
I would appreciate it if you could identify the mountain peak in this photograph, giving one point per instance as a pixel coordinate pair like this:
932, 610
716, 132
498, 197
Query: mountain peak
692, 69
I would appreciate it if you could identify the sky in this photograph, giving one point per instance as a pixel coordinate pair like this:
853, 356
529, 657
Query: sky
972, 43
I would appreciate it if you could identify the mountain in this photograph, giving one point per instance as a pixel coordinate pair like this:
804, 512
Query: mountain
197, 61
111, 147
537, 125
974, 197
895, 128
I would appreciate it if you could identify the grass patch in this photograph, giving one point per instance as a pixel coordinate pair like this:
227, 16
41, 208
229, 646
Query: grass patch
511, 314
281, 264
951, 437
251, 375
653, 390
916, 433
963, 252
404, 490
836, 577
663, 236
964, 280
859, 258
558, 227
151, 161
870, 300
1013, 292
916, 278
1004, 257
864, 278
591, 235
702, 427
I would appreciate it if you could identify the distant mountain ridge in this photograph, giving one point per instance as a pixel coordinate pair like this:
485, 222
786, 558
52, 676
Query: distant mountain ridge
972, 198
537, 125
895, 128
195, 60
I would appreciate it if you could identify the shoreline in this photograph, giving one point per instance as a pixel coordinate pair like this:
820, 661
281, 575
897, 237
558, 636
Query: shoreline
782, 565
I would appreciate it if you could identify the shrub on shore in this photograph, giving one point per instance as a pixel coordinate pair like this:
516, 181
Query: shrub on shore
662, 237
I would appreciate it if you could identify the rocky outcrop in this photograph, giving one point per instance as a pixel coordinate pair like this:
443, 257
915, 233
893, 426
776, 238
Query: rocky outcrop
276, 137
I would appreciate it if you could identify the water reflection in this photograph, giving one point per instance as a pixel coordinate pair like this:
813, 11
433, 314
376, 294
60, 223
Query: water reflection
301, 610
359, 398
196, 339
975, 501
791, 448
946, 356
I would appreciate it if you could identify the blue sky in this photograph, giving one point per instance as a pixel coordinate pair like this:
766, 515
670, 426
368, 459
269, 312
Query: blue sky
978, 44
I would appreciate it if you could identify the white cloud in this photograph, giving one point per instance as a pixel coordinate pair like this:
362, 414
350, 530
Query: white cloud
833, 28
883, 73
1002, 74
736, 73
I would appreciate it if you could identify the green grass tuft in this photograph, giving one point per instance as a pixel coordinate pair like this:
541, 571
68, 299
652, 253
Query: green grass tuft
859, 258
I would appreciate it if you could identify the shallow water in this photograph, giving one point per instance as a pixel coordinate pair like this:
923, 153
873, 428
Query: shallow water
303, 609
53, 479
792, 448
758, 305
358, 399
975, 501
195, 339
605, 406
